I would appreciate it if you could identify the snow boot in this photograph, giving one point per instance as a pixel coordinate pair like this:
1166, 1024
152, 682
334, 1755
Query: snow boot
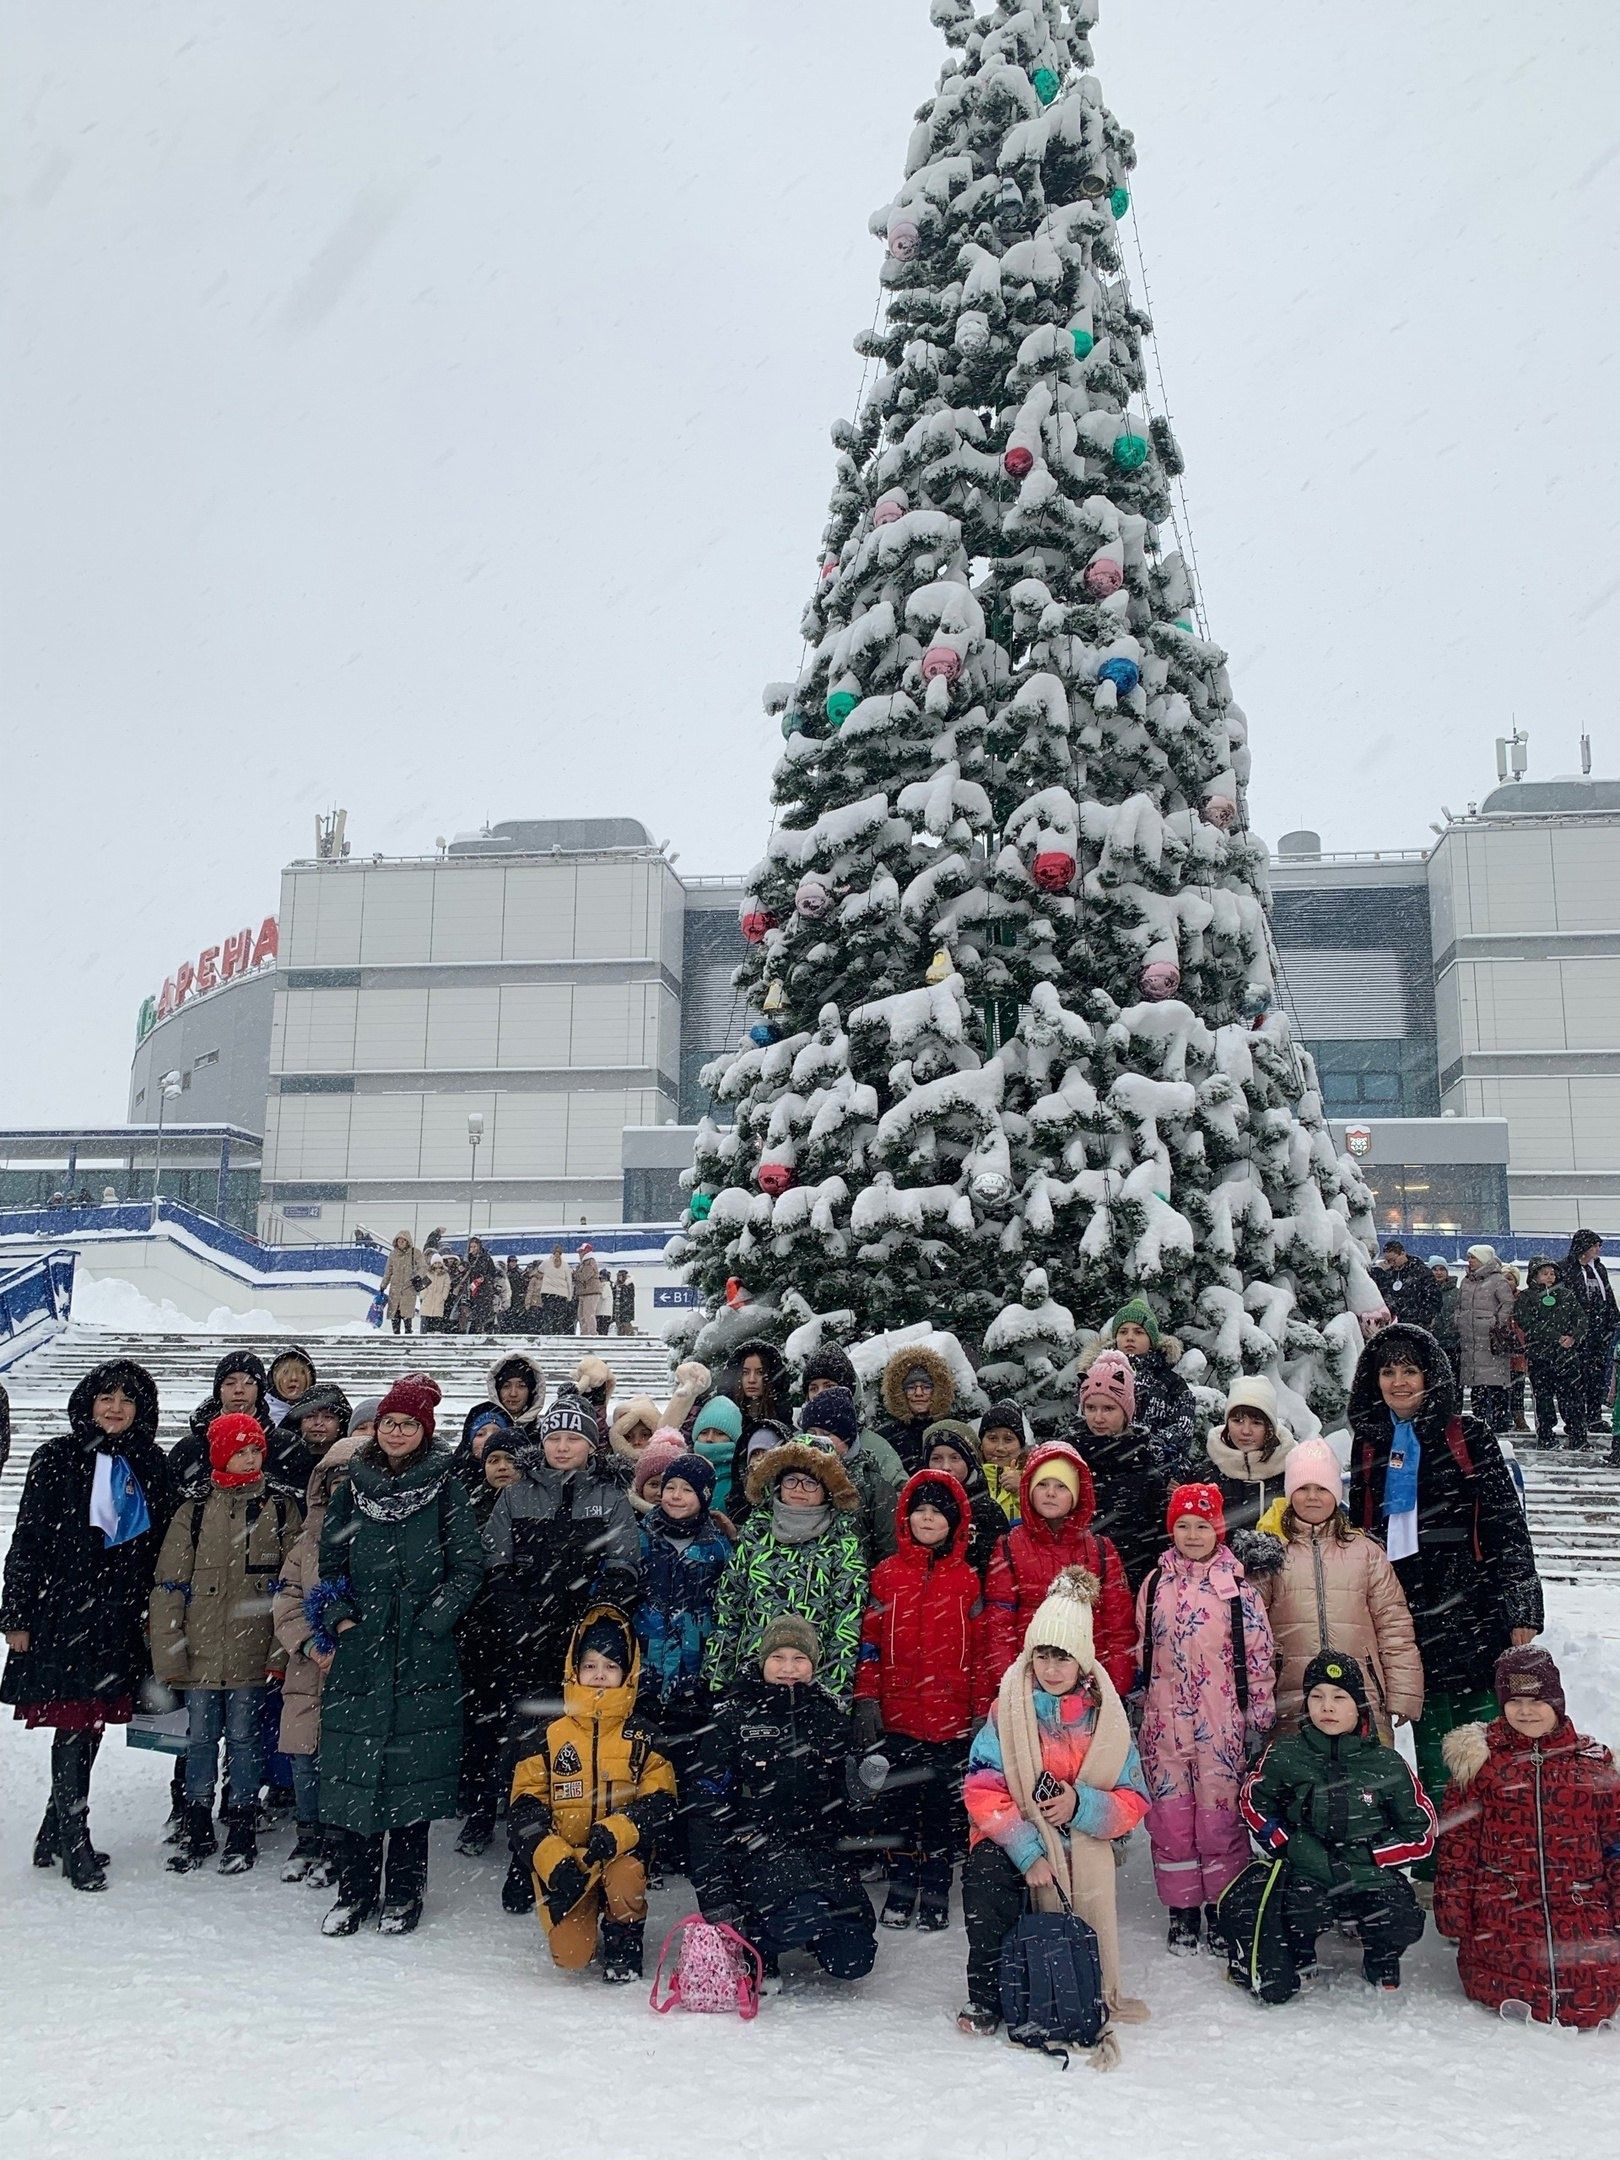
241, 1840
400, 1915
174, 1830
48, 1840
308, 1851
1381, 1972
621, 1952
1185, 1935
517, 1892
900, 1908
477, 1835
346, 1919
1212, 1932
196, 1842
326, 1867
979, 2020
934, 1906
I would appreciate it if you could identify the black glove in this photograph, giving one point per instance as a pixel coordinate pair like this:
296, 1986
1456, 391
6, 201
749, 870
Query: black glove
601, 1846
567, 1885
868, 1726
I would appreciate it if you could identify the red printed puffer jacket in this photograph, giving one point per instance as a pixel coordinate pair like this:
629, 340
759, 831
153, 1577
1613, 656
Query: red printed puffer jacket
923, 1641
1033, 1552
1529, 1874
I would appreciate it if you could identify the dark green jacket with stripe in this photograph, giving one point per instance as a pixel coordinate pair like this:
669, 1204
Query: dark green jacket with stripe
1337, 1809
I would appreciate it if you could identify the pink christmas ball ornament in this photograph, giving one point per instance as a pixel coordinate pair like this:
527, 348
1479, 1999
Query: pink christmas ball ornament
889, 509
813, 899
1053, 870
1371, 1322
1160, 979
905, 237
1019, 461
829, 569
943, 661
1103, 576
775, 1178
1221, 810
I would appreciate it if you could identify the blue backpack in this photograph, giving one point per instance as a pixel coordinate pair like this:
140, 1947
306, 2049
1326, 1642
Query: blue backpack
1051, 1984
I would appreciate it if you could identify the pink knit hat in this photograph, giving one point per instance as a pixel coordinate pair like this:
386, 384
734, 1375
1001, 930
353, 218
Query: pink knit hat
665, 1446
1312, 1462
1110, 1379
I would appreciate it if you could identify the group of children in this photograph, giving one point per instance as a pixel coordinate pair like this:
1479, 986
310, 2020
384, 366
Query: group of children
787, 1642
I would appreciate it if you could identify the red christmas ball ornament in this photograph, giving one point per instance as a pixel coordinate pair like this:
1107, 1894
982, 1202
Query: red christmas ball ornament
941, 660
754, 922
736, 1295
1019, 461
829, 569
774, 1178
1103, 576
1053, 870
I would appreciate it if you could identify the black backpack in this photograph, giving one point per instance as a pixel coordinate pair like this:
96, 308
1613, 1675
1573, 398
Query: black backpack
1051, 1984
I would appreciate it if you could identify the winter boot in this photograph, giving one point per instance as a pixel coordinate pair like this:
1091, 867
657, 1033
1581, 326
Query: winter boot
979, 2020
400, 1915
307, 1852
48, 1840
1381, 1972
346, 1918
241, 1840
900, 1908
934, 1904
517, 1892
1186, 1924
1212, 1931
325, 1868
477, 1834
174, 1830
621, 1952
196, 1841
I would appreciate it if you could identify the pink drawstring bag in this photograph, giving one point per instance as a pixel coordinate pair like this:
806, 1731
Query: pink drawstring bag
716, 1969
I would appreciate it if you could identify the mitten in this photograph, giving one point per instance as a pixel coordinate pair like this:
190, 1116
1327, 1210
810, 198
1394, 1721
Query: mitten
601, 1846
868, 1725
565, 1886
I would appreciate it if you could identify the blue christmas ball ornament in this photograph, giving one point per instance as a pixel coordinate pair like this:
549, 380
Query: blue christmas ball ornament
1119, 201
1122, 673
1046, 84
1083, 342
762, 1033
792, 724
1130, 452
840, 704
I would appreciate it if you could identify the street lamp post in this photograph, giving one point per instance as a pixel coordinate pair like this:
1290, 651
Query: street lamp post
168, 1089
475, 1133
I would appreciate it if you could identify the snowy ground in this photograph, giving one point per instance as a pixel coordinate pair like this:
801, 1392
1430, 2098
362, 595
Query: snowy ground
202, 2016
108, 1302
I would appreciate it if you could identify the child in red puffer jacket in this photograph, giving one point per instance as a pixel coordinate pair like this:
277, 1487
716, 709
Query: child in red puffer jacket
919, 1686
1057, 1501
1529, 1875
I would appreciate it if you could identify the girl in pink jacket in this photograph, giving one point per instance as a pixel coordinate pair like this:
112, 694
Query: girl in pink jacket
1207, 1663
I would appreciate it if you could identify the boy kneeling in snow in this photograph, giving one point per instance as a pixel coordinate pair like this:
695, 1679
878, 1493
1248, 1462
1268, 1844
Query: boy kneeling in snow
587, 1802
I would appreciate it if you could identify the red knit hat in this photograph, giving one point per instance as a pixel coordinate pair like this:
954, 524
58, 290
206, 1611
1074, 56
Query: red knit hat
415, 1397
1201, 1502
231, 1430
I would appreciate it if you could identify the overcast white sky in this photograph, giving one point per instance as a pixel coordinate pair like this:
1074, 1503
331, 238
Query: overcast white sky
422, 405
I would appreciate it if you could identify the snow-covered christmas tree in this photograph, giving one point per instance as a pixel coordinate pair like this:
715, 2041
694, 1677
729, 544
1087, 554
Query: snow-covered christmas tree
1016, 1046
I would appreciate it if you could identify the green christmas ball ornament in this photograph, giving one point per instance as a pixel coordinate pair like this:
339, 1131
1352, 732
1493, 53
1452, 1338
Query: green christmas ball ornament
1130, 452
1046, 84
1119, 201
1083, 343
699, 1205
1184, 622
840, 704
791, 726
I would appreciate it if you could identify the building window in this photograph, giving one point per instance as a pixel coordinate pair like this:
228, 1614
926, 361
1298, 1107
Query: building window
653, 1196
206, 1057
1390, 1078
1447, 1199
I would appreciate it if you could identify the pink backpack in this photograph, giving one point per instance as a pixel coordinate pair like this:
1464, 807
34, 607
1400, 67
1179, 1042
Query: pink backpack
717, 1969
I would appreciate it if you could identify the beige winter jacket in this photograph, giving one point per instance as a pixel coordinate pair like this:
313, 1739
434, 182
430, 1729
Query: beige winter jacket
1333, 1596
589, 1293
301, 1689
436, 1296
210, 1605
405, 1263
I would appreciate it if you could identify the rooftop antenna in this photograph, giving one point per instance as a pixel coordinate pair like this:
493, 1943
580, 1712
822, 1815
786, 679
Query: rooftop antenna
1586, 755
330, 845
1513, 754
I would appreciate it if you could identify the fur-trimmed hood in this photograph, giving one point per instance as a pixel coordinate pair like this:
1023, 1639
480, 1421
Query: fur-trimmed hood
537, 1383
894, 1377
820, 1463
593, 1377
1169, 1348
1466, 1750
639, 1410
691, 1385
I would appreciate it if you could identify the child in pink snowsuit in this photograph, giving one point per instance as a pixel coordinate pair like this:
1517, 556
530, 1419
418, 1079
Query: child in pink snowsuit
1206, 1656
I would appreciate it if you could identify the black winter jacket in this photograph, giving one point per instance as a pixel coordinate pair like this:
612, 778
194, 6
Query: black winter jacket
1473, 1577
1411, 1293
82, 1601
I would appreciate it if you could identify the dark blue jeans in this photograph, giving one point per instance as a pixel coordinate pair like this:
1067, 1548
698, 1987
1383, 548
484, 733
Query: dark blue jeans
234, 1715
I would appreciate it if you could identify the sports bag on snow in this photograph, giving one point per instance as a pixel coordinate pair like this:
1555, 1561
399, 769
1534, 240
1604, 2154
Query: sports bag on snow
1051, 1984
715, 1969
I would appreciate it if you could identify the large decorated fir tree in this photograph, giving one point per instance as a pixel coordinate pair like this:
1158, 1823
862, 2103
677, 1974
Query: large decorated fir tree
1016, 1045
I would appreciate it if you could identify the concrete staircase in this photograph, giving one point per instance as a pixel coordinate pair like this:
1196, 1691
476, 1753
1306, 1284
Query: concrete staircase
361, 1364
1573, 1502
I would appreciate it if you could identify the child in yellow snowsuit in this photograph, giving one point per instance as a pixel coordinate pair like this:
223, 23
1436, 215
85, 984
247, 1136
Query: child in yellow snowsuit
587, 1802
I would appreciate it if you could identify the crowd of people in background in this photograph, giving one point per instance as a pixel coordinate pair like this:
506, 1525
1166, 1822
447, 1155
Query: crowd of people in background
473, 1293
1548, 1332
797, 1629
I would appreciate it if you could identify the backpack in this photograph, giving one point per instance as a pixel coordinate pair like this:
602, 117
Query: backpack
1240, 1652
716, 1969
1051, 1984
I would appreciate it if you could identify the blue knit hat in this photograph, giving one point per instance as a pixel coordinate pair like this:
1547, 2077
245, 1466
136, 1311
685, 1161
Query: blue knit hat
694, 1471
832, 1412
719, 1415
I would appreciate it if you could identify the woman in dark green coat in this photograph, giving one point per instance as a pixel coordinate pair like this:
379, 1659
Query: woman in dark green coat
400, 1563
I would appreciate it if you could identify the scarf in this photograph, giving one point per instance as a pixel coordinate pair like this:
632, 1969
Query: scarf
798, 1525
117, 1504
232, 1480
1084, 1866
394, 1506
1401, 1490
